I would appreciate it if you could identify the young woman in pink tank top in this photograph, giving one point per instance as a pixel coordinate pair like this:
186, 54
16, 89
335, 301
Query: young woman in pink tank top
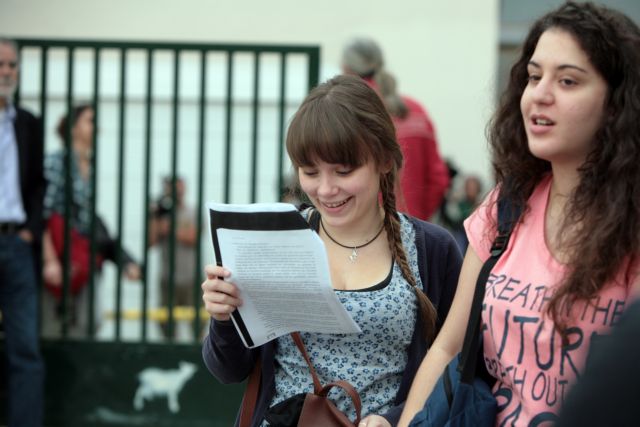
565, 145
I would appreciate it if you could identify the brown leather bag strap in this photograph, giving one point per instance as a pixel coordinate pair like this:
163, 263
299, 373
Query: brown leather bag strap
324, 391
317, 386
350, 390
250, 397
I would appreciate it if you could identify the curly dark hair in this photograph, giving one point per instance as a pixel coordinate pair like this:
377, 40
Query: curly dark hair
606, 202
344, 121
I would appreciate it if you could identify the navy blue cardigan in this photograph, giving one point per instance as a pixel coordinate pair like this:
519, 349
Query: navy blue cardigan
439, 262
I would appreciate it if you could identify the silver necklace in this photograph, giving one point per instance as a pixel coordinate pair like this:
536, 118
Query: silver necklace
354, 249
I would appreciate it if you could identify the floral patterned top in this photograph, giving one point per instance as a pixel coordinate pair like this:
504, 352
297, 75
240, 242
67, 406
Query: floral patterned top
54, 199
372, 361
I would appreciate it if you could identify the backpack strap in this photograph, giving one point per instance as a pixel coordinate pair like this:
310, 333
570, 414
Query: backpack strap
508, 216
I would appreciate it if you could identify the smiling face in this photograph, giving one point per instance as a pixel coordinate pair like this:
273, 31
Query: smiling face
342, 143
344, 195
563, 104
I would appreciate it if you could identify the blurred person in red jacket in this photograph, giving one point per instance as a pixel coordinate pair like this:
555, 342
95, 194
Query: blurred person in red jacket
424, 178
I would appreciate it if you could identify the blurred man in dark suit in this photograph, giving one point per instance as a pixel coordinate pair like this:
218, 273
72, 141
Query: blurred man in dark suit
22, 187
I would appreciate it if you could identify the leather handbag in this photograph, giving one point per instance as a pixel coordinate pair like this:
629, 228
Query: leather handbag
303, 410
318, 410
460, 397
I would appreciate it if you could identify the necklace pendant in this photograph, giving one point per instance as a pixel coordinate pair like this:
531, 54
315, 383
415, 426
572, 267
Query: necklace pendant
354, 255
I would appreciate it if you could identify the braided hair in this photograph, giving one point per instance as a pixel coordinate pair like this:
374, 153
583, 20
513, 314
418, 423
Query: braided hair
344, 121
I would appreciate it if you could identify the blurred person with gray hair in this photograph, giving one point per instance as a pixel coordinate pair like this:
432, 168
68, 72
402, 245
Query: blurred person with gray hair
22, 187
424, 178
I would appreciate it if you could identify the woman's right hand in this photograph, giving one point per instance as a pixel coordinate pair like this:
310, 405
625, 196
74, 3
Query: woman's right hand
52, 272
220, 298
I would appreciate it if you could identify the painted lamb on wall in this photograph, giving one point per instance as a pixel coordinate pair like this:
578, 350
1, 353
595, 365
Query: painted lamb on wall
155, 382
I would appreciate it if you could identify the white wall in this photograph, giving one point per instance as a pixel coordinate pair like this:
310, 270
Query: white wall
444, 53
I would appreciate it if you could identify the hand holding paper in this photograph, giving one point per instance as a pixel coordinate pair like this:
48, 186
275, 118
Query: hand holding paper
280, 268
221, 298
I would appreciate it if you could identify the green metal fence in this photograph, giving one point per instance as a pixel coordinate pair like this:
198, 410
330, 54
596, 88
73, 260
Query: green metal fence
223, 109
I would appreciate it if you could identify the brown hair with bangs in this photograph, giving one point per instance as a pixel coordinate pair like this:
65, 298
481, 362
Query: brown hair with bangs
343, 121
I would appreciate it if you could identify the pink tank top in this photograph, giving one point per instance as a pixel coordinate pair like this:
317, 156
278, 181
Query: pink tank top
522, 349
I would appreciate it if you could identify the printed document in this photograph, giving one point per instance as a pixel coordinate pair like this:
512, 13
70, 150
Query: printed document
281, 270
